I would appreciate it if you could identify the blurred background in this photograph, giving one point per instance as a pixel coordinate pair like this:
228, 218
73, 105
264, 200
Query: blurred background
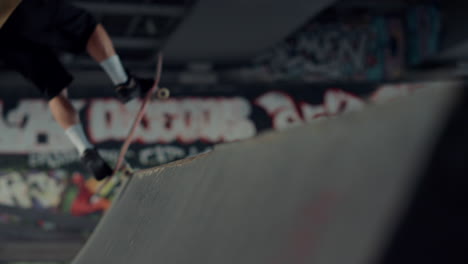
234, 69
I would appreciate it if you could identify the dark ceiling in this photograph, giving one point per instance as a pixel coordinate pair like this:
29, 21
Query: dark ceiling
138, 27
195, 31
221, 32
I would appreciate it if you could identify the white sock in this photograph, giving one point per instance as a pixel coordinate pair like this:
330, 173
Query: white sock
114, 68
78, 138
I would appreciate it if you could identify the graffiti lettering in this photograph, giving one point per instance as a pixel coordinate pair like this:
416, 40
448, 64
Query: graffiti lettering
44, 190
161, 154
30, 127
165, 154
37, 190
284, 113
281, 108
331, 51
13, 190
187, 120
390, 92
52, 159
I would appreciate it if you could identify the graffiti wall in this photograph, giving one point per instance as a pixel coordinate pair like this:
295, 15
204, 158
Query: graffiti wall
54, 190
40, 169
424, 28
362, 47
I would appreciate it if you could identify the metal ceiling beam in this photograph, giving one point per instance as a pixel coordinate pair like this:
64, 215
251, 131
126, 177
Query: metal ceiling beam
381, 4
131, 28
454, 42
236, 31
87, 83
135, 43
132, 9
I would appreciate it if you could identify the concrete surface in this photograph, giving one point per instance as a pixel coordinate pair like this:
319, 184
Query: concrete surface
235, 31
326, 193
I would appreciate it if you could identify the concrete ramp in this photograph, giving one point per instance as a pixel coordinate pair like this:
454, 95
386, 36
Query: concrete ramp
327, 193
232, 31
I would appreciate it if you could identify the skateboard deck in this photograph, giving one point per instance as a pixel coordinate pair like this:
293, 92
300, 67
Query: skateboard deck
123, 170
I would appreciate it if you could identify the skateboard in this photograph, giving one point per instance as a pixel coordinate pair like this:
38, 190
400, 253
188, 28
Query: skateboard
123, 170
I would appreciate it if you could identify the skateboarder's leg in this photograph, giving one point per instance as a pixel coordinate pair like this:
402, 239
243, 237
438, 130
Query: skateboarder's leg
67, 117
80, 32
101, 49
40, 65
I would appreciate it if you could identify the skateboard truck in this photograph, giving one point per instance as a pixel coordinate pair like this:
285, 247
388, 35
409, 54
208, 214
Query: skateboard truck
124, 172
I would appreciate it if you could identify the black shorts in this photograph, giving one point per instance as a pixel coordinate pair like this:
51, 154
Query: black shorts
35, 33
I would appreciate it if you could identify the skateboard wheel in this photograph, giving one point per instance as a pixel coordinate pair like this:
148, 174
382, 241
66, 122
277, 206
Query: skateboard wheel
163, 93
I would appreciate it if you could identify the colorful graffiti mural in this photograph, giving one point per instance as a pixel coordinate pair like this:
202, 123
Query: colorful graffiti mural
40, 169
365, 47
424, 26
52, 190
332, 51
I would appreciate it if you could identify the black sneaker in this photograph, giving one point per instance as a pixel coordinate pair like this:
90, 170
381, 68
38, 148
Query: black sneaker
95, 164
134, 87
